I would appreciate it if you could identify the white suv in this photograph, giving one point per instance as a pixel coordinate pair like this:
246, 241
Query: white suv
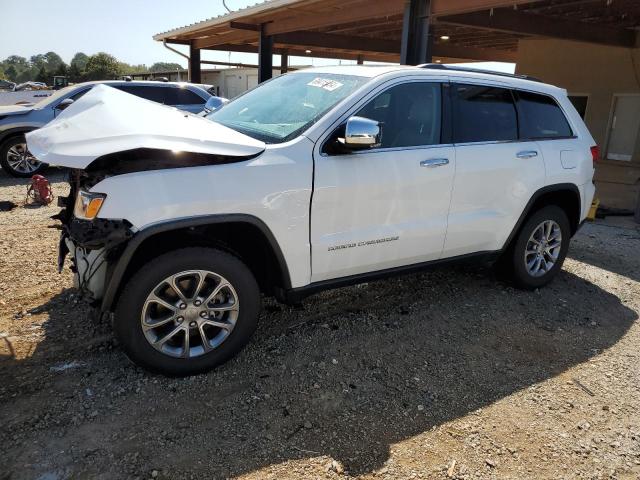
317, 179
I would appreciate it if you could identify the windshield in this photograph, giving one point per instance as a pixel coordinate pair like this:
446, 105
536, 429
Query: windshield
283, 108
56, 96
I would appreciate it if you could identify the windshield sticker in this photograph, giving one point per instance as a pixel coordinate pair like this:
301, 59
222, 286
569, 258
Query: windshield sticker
327, 84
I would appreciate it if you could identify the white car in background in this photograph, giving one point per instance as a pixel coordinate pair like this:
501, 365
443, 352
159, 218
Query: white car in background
317, 179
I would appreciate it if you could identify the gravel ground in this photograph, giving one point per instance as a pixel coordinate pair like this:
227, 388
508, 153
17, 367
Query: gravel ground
448, 374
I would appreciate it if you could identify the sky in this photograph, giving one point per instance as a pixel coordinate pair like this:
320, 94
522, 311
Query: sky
123, 28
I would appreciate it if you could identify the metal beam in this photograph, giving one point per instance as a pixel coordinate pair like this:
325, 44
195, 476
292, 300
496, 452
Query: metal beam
177, 42
417, 43
265, 56
244, 26
233, 37
333, 17
511, 21
439, 50
450, 7
194, 65
335, 41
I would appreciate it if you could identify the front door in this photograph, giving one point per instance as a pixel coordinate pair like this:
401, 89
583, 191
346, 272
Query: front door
385, 207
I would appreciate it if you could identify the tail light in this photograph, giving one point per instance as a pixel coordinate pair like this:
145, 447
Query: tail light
595, 155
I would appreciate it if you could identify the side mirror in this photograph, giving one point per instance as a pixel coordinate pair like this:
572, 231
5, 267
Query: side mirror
64, 104
214, 103
361, 133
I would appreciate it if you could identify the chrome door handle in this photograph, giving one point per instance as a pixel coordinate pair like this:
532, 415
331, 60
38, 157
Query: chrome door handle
527, 154
434, 162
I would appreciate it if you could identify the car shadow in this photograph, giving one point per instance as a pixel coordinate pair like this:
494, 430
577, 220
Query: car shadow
348, 375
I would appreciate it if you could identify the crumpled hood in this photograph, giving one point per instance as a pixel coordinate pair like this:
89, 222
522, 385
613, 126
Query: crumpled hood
106, 120
15, 109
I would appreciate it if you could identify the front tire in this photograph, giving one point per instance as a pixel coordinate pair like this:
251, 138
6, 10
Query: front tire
540, 248
16, 159
187, 311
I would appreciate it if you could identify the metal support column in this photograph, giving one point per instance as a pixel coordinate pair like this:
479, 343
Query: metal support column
265, 56
284, 62
417, 44
194, 65
360, 60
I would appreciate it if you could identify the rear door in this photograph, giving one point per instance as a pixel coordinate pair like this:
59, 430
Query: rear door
385, 207
541, 119
496, 173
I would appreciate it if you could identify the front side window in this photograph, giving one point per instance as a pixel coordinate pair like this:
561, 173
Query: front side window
482, 113
541, 117
284, 107
410, 114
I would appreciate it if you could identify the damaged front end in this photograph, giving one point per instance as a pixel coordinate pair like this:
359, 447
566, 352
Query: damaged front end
108, 133
93, 245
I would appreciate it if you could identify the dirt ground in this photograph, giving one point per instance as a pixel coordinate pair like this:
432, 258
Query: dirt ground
447, 374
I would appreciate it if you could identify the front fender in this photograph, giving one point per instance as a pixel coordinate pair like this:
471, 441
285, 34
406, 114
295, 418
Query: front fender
120, 268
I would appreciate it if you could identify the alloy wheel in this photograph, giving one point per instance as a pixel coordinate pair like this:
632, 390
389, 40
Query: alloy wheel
543, 248
20, 159
190, 313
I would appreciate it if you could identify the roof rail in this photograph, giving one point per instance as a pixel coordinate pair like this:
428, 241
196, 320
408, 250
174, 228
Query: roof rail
453, 68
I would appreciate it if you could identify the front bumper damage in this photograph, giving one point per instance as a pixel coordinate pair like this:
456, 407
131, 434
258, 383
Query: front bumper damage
93, 246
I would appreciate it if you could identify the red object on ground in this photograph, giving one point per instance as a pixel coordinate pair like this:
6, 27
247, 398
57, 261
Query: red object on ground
40, 190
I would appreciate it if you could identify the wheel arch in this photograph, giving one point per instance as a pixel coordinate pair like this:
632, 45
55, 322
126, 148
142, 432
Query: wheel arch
563, 195
257, 247
13, 132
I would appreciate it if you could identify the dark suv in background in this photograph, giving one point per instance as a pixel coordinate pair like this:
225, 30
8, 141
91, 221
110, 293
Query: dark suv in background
16, 120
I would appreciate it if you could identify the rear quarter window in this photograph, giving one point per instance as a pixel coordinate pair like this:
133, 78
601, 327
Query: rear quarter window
541, 117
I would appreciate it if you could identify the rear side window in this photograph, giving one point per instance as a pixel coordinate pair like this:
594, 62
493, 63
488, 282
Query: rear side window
155, 94
482, 113
182, 96
541, 117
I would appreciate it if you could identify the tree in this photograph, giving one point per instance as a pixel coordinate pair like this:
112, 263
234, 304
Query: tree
80, 60
42, 75
20, 63
38, 61
53, 61
62, 70
165, 67
127, 69
75, 74
26, 75
102, 66
11, 73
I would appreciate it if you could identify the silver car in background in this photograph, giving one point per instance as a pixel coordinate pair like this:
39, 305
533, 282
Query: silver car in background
16, 120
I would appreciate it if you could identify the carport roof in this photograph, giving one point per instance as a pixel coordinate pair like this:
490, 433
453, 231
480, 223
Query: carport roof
371, 30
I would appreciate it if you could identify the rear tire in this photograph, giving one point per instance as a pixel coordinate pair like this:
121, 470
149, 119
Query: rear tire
169, 309
539, 249
16, 160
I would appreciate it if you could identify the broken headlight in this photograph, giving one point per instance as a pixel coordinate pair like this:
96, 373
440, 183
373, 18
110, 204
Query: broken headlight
88, 204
